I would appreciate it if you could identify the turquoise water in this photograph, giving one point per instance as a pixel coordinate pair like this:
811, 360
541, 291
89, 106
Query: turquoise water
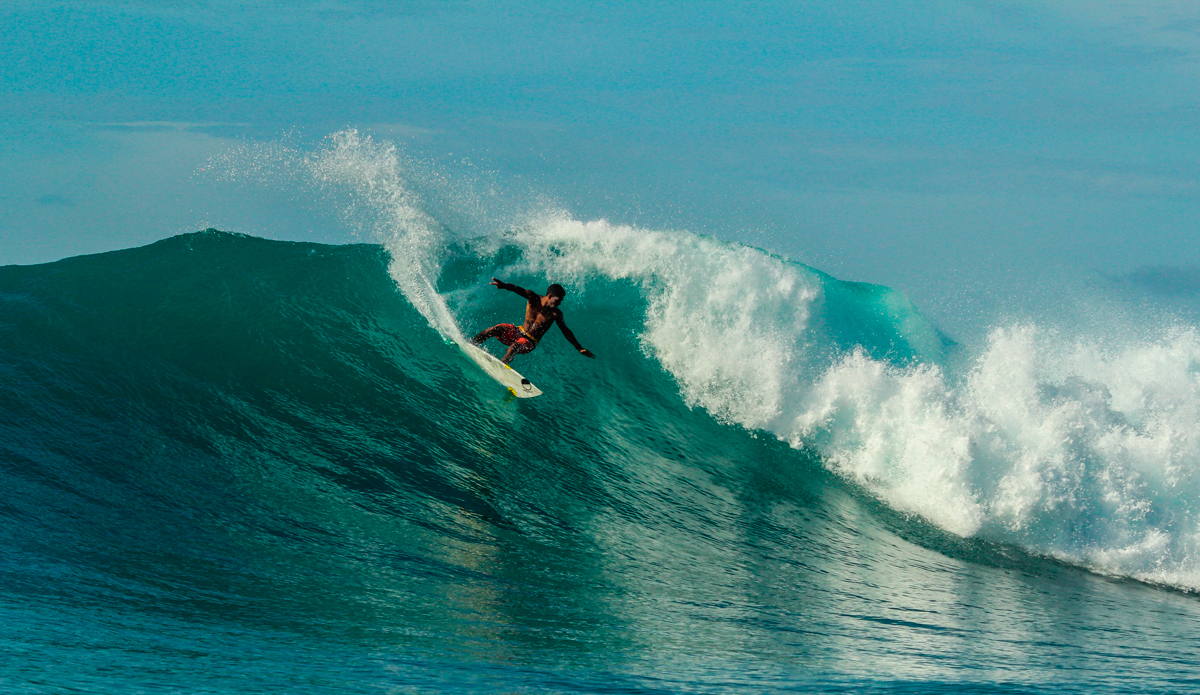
233, 465
239, 465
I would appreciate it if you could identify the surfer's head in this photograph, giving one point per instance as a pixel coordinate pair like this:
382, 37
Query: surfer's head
555, 294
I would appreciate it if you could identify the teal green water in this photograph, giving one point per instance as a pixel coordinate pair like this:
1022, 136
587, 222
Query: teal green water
236, 465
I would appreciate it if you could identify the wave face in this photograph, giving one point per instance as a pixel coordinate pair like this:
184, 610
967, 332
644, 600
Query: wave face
244, 464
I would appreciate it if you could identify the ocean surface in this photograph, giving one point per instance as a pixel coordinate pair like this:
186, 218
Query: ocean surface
237, 465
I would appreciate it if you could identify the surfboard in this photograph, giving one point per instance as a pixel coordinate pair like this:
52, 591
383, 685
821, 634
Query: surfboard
506, 375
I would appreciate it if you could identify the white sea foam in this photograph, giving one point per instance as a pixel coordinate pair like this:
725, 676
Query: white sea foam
727, 321
1064, 447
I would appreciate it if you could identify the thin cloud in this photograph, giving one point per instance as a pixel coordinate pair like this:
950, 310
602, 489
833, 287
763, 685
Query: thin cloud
170, 125
55, 200
1179, 281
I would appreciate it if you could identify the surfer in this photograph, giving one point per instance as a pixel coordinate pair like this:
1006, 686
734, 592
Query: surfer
540, 314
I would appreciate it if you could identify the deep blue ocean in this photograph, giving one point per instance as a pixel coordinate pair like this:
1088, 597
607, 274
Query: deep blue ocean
238, 465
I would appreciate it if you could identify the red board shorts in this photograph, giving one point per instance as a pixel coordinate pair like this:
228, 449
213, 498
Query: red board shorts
514, 337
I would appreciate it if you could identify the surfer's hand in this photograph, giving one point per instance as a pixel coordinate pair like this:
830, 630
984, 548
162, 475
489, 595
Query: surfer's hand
586, 353
494, 282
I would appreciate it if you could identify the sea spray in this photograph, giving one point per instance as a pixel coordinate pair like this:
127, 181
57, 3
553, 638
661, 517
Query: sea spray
367, 184
381, 207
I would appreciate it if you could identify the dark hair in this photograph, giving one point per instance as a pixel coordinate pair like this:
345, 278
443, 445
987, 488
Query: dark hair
556, 290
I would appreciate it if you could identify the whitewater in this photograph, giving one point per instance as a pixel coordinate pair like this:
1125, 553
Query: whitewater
267, 465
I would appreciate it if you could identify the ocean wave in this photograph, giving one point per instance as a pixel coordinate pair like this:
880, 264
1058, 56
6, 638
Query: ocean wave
1077, 449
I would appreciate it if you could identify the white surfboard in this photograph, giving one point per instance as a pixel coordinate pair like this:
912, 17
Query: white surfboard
506, 375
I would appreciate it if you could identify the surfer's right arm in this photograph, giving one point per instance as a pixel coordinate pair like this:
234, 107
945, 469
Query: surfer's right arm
528, 294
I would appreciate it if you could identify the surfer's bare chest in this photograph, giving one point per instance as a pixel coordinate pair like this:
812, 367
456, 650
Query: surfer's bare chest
538, 318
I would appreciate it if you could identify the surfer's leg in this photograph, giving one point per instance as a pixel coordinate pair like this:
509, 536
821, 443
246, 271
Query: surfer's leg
506, 332
489, 333
521, 346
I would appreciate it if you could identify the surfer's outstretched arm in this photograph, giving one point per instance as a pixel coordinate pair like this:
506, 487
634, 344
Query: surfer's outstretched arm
571, 339
527, 294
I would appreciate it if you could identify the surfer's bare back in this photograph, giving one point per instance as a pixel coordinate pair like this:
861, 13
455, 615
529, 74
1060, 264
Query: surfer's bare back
541, 313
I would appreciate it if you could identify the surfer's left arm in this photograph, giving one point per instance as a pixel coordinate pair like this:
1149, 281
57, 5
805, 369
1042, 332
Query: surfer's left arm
571, 339
527, 294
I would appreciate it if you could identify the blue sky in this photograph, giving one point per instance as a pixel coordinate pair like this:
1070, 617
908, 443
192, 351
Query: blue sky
920, 145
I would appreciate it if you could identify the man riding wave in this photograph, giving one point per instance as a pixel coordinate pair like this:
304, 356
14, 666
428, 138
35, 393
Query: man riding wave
541, 313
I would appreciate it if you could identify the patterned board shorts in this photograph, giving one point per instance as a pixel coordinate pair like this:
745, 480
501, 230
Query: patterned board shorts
513, 336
